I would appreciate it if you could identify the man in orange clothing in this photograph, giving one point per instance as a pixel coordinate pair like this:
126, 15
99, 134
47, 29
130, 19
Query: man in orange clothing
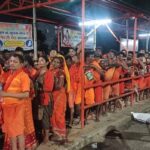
16, 90
71, 94
75, 78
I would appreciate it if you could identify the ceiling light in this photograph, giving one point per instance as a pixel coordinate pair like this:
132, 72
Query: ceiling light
95, 22
144, 35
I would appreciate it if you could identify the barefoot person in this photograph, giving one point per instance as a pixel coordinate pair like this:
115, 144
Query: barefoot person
44, 84
60, 100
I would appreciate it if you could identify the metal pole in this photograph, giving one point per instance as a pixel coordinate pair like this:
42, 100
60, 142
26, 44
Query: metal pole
147, 42
29, 6
134, 44
82, 64
94, 38
127, 33
34, 31
58, 39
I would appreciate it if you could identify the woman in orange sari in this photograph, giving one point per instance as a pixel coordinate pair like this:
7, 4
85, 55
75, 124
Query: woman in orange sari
54, 53
60, 100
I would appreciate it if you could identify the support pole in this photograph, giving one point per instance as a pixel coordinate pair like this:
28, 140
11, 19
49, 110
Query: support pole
34, 31
58, 39
82, 64
127, 33
94, 38
147, 42
134, 44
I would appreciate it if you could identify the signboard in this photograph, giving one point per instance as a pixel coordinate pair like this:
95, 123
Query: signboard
14, 35
130, 44
70, 38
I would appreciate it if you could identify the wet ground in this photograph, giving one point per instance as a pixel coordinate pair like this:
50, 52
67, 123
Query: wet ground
135, 137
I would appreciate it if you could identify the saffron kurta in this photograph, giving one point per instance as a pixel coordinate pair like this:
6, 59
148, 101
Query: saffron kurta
14, 108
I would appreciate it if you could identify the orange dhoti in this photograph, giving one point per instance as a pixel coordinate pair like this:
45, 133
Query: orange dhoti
142, 83
97, 90
122, 87
107, 90
78, 94
71, 98
116, 87
89, 93
98, 94
28, 130
115, 90
89, 96
14, 124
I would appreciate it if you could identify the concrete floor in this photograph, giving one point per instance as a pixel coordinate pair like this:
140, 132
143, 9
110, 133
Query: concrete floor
136, 135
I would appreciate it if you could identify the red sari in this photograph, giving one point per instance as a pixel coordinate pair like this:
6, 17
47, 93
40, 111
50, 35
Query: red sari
1, 118
60, 100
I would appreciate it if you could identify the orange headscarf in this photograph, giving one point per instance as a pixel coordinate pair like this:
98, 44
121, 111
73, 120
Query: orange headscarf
65, 70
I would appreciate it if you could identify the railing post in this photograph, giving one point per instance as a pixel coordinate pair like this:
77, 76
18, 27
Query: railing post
58, 38
34, 31
82, 64
135, 29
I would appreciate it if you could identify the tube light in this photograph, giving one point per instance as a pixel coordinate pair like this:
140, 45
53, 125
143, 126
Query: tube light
96, 22
144, 35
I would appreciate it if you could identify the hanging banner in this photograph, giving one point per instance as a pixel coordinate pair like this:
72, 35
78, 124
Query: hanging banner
14, 35
70, 38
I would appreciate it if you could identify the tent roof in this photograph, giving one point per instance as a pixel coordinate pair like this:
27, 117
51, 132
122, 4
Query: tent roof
68, 12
